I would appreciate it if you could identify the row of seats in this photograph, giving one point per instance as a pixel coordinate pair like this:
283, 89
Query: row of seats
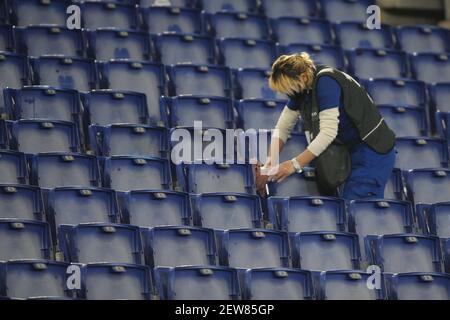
38, 279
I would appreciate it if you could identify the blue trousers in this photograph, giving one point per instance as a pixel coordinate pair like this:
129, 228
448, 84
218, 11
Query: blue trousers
370, 173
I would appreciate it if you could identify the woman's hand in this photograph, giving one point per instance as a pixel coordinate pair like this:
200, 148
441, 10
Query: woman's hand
281, 172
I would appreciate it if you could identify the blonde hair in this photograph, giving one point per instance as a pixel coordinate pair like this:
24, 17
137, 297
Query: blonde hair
287, 70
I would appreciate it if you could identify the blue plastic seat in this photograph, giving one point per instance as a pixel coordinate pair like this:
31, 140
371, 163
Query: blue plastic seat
50, 170
201, 178
238, 24
179, 245
21, 202
352, 35
24, 239
4, 137
394, 187
13, 167
34, 12
178, 48
421, 153
303, 214
246, 53
374, 63
227, 211
303, 184
213, 112
40, 102
104, 14
173, 3
254, 248
65, 72
153, 208
397, 92
15, 73
34, 136
200, 80
100, 242
111, 281
325, 251
442, 120
228, 5
6, 37
349, 285
41, 40
254, 83
422, 39
406, 253
124, 173
147, 78
346, 10
4, 13
113, 43
260, 114
24, 279
160, 19
436, 220
307, 30
405, 121
290, 8
278, 284
420, 286
198, 283
130, 139
431, 67
439, 96
320, 53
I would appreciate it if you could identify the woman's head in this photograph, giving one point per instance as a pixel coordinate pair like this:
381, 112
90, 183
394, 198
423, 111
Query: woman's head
292, 74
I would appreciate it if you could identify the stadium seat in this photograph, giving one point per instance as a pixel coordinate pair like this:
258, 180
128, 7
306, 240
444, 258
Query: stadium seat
50, 170
436, 221
321, 54
443, 124
34, 12
201, 178
378, 217
419, 286
6, 38
306, 30
303, 214
4, 137
24, 279
104, 14
254, 248
229, 5
179, 245
302, 184
13, 167
213, 112
112, 43
24, 239
15, 73
4, 12
254, 83
422, 39
65, 72
352, 35
148, 209
75, 205
173, 3
124, 173
397, 92
439, 96
100, 242
374, 63
178, 48
325, 251
394, 187
21, 202
405, 121
238, 24
34, 136
349, 285
346, 10
42, 40
421, 153
260, 114
246, 53
431, 67
115, 281
198, 283
406, 253
160, 19
104, 107
147, 78
40, 102
226, 211
278, 284
130, 139
289, 8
